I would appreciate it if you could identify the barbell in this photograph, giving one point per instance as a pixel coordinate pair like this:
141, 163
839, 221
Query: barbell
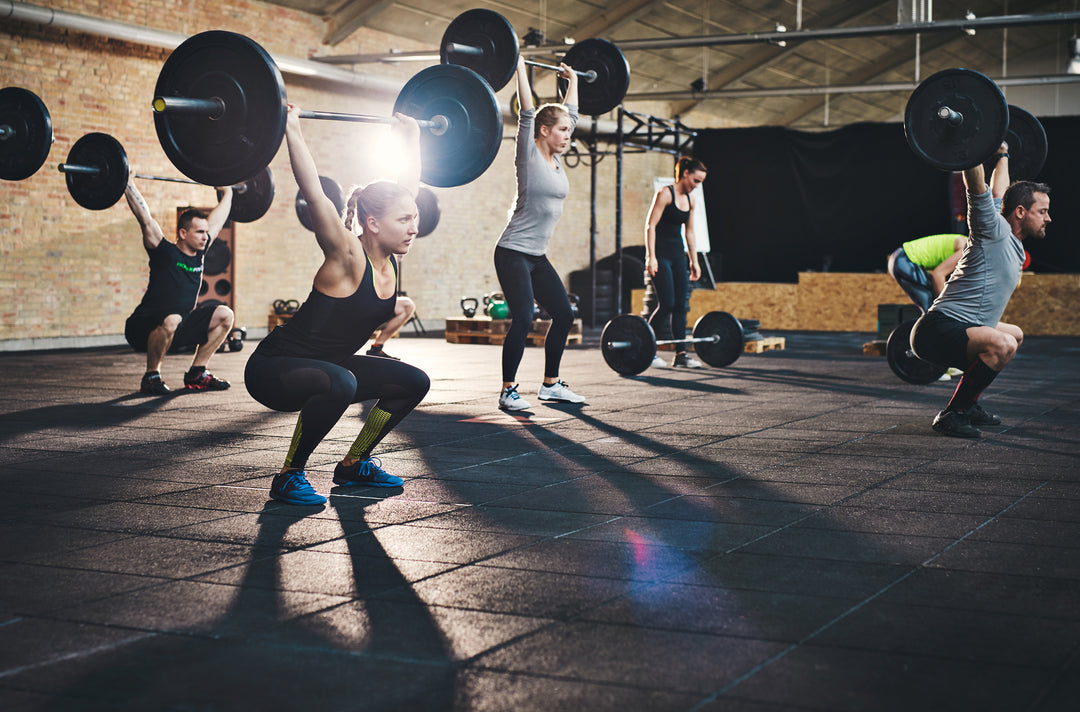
485, 42
26, 134
427, 206
957, 118
628, 343
97, 172
220, 110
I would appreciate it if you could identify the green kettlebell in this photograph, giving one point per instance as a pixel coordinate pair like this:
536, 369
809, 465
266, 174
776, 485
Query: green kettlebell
495, 306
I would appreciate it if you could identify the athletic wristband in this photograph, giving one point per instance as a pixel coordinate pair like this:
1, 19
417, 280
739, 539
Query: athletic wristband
1002, 155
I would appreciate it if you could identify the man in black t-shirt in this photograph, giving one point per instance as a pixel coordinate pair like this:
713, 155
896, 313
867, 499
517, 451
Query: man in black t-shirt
167, 316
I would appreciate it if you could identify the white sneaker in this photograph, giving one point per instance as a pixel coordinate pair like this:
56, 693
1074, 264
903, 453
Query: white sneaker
658, 362
510, 400
685, 360
559, 391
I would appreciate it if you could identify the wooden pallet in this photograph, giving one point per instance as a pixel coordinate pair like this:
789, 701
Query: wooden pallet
874, 348
485, 330
769, 343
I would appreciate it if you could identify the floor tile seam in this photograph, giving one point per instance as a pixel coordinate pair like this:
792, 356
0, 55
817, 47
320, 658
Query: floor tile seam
67, 657
925, 655
866, 601
553, 678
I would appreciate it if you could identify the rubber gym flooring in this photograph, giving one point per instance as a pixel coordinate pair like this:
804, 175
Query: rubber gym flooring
786, 533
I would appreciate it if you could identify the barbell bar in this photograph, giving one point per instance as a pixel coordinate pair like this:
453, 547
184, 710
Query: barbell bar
220, 109
628, 343
97, 173
455, 48
485, 41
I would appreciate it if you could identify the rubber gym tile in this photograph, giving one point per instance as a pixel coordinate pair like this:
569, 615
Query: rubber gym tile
1010, 594
494, 691
513, 520
441, 545
731, 510
986, 505
1006, 558
31, 590
274, 528
632, 561
595, 494
1029, 532
462, 492
947, 633
847, 680
797, 492
29, 540
539, 594
1049, 509
650, 658
785, 574
151, 556
130, 517
856, 520
30, 643
680, 533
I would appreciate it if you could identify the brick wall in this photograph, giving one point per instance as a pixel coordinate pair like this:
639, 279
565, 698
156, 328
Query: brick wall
69, 272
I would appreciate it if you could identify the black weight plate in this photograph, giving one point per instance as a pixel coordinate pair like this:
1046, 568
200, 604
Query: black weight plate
638, 355
729, 345
427, 204
28, 134
956, 148
217, 258
493, 35
251, 204
1027, 146
237, 70
903, 361
463, 152
331, 189
101, 190
612, 81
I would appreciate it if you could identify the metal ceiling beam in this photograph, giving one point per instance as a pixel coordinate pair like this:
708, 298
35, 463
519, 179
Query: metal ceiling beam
761, 56
352, 17
835, 33
892, 87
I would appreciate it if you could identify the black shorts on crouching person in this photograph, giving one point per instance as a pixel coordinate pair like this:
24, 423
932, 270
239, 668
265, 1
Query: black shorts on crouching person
192, 331
941, 340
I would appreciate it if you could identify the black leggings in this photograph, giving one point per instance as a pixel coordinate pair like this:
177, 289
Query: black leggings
912, 278
671, 284
525, 278
321, 391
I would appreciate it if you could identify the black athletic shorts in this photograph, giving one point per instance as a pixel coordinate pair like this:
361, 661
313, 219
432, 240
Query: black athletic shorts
941, 340
192, 331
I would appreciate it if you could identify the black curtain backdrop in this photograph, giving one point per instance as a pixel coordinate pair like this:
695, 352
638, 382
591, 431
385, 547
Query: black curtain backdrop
780, 202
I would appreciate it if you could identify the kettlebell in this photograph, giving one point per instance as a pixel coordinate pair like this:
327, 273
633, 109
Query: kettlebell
469, 305
495, 305
575, 305
236, 338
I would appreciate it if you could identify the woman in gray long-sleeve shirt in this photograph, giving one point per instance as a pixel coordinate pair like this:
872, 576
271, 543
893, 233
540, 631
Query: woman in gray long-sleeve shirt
521, 263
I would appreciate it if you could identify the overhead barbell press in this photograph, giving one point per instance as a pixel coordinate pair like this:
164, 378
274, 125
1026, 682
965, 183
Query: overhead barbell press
220, 110
427, 206
628, 343
485, 42
97, 172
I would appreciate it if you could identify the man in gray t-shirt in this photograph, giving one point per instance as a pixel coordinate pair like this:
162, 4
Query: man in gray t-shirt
963, 327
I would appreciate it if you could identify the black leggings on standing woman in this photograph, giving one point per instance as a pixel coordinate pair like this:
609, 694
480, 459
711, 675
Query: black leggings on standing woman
525, 278
671, 285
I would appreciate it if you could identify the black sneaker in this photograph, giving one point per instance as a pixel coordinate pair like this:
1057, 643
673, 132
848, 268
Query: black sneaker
377, 350
153, 385
956, 424
205, 382
979, 416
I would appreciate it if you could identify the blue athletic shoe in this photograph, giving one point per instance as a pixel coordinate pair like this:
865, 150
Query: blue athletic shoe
366, 472
293, 488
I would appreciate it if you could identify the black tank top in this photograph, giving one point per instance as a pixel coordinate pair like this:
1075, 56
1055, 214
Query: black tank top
332, 328
669, 228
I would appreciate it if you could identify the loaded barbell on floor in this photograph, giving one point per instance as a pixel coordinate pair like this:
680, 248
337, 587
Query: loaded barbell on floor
957, 118
97, 172
629, 344
427, 206
220, 111
485, 42
26, 134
